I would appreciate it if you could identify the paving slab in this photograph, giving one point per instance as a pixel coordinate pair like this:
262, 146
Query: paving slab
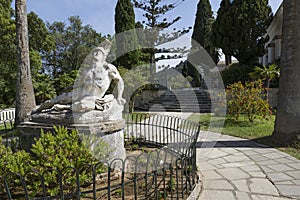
265, 197
242, 195
217, 185
279, 176
280, 168
237, 169
217, 194
233, 173
241, 185
290, 190
295, 165
211, 175
294, 174
262, 186
238, 172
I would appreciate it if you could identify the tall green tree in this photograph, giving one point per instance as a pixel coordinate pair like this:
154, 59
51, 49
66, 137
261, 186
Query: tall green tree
155, 23
40, 42
54, 59
8, 57
200, 39
202, 28
287, 124
72, 43
252, 18
240, 28
25, 100
222, 29
127, 52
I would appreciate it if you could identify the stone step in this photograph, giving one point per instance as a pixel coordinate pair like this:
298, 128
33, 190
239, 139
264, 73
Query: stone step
180, 101
192, 110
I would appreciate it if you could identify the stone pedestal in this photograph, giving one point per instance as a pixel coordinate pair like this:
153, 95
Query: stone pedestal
90, 126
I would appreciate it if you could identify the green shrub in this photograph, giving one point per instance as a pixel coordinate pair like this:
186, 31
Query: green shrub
247, 99
13, 162
17, 162
236, 72
60, 151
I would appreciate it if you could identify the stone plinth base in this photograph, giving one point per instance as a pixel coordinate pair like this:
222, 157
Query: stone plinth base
110, 132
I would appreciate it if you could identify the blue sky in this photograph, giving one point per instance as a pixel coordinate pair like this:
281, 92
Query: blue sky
100, 13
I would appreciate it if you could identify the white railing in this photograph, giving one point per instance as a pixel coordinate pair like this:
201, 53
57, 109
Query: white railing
7, 114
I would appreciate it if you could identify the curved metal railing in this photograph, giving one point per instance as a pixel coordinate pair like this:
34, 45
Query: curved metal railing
168, 171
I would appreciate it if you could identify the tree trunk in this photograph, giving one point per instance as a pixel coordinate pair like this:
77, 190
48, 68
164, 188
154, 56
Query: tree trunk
228, 60
287, 124
25, 100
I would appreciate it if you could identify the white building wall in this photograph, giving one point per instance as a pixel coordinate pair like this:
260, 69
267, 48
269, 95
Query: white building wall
275, 33
271, 53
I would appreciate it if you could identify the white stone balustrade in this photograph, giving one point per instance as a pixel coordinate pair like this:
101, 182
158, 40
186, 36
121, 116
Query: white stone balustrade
7, 114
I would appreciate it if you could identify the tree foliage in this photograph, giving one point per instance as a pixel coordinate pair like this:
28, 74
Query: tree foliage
7, 54
200, 39
222, 25
202, 28
266, 73
56, 50
73, 42
127, 52
240, 28
154, 24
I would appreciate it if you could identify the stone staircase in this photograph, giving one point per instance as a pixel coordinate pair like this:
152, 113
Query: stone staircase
184, 100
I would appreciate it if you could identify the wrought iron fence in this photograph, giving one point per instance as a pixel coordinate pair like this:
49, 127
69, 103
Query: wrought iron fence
165, 170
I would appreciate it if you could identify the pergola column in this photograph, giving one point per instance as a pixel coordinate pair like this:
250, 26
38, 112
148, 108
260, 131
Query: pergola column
271, 53
278, 46
265, 58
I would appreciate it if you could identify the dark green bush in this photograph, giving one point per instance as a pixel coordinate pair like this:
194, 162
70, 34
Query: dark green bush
236, 72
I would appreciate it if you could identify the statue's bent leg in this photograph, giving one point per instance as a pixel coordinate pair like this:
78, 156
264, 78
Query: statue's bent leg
64, 99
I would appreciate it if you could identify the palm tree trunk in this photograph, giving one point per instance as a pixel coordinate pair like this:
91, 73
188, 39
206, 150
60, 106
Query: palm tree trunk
287, 124
25, 101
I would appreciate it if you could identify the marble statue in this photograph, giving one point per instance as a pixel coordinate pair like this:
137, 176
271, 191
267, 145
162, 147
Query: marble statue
89, 90
87, 108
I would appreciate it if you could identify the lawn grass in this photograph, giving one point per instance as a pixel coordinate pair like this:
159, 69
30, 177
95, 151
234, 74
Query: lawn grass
5, 129
136, 116
259, 131
8, 126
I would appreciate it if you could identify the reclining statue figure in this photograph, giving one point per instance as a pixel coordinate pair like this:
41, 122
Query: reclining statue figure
89, 90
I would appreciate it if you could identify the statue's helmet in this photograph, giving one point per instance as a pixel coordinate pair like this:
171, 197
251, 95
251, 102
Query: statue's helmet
104, 47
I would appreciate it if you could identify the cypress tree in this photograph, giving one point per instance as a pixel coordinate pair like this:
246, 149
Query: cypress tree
222, 30
240, 28
126, 37
202, 28
200, 39
251, 20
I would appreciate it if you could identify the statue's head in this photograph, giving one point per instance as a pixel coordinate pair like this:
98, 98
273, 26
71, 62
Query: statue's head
100, 53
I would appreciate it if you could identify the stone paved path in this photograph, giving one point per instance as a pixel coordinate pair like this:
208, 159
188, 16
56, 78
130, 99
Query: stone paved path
232, 168
238, 169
